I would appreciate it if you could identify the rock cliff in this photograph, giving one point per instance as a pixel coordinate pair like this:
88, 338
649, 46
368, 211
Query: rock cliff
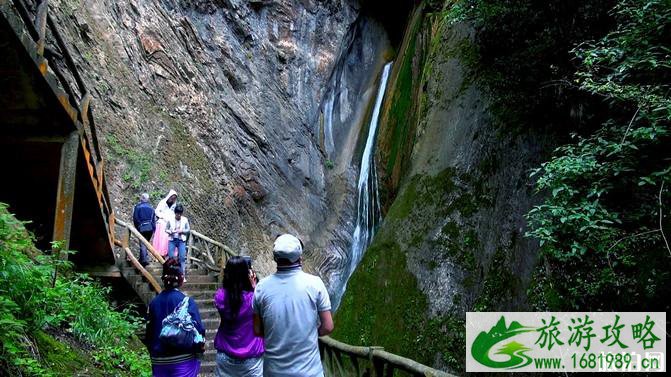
456, 189
222, 101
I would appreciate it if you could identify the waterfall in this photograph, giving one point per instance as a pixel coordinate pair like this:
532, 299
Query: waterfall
368, 203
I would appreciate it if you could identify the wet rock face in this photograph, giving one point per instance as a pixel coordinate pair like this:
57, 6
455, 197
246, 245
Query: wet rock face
216, 99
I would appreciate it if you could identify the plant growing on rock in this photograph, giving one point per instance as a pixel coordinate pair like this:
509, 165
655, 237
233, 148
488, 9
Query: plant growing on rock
32, 304
605, 222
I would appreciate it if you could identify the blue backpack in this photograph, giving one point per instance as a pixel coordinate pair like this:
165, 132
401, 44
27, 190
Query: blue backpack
178, 330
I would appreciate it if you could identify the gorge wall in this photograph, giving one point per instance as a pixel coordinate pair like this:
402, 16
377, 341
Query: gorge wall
456, 189
255, 112
222, 101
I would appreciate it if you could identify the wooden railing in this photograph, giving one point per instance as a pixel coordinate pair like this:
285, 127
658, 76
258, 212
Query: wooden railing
129, 232
340, 359
53, 58
155, 286
208, 253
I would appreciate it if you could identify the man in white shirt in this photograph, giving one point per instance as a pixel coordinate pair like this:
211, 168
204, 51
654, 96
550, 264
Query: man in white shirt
178, 228
291, 310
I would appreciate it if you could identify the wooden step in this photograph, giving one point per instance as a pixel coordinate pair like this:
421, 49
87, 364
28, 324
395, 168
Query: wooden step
208, 313
190, 278
199, 295
211, 323
197, 287
207, 367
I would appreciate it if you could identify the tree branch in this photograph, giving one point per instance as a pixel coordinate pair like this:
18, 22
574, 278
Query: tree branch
661, 215
626, 238
629, 126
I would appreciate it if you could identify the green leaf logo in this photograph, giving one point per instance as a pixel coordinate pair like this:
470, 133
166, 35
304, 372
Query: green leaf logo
485, 341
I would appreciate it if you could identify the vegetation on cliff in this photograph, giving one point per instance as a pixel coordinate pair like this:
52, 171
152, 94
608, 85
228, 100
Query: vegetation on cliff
58, 324
591, 76
608, 195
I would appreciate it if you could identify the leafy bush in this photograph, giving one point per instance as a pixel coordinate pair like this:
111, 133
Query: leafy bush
608, 191
522, 56
32, 301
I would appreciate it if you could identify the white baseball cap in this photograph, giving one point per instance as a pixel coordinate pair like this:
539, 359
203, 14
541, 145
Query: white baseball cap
288, 247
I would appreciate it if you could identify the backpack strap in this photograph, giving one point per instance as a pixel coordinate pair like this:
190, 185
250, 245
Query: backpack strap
183, 307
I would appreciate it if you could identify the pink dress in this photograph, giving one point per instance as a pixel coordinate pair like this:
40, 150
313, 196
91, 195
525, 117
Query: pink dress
163, 212
160, 239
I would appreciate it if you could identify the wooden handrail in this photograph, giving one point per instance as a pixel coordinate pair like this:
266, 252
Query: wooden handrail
146, 243
382, 362
129, 254
210, 240
360, 351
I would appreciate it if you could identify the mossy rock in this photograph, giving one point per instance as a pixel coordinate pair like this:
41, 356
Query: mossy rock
383, 306
62, 359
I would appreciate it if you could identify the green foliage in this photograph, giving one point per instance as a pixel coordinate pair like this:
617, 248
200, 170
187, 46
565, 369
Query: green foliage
138, 165
32, 301
329, 164
608, 190
521, 55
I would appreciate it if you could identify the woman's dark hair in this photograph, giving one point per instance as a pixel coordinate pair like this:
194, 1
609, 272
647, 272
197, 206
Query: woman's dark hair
236, 280
179, 208
172, 275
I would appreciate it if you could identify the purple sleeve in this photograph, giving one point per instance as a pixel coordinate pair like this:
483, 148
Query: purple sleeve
220, 299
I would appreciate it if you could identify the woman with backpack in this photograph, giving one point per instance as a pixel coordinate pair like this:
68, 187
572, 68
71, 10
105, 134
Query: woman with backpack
239, 351
172, 347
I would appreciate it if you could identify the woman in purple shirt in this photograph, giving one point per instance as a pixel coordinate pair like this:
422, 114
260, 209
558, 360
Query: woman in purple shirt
239, 351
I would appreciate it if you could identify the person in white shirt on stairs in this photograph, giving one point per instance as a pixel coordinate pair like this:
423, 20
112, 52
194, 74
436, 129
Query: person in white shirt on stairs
178, 229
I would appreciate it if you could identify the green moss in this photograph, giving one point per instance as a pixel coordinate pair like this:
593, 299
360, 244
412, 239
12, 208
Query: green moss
138, 164
383, 306
399, 115
422, 192
184, 147
499, 282
62, 359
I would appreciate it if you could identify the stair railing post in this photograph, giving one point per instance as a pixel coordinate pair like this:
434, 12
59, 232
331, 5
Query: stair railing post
377, 363
222, 264
189, 249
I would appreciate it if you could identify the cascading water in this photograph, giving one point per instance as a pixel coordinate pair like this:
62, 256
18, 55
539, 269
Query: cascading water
368, 203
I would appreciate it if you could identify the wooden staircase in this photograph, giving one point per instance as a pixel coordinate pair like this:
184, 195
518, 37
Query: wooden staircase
202, 281
201, 285
206, 259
